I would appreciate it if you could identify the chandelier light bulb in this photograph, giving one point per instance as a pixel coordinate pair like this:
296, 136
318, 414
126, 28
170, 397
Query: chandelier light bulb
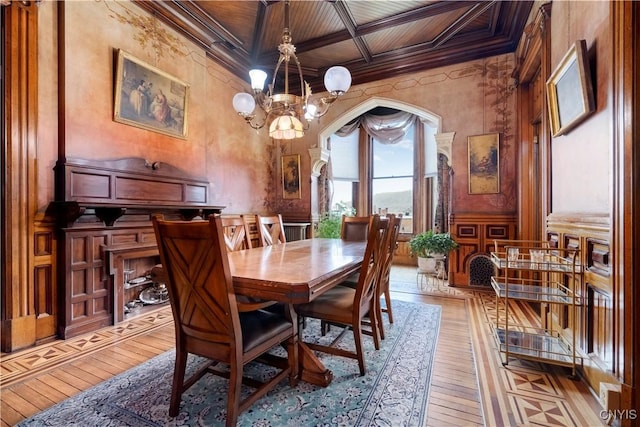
310, 112
284, 112
337, 80
258, 77
244, 103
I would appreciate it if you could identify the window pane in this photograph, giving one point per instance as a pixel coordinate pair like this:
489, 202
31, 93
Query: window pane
393, 194
342, 196
344, 156
394, 159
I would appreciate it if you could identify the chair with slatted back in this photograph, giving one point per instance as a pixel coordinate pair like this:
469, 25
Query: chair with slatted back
346, 306
385, 272
236, 233
270, 230
354, 228
209, 322
385, 269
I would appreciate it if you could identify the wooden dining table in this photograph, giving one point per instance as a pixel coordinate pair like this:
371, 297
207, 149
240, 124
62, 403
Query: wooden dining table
297, 272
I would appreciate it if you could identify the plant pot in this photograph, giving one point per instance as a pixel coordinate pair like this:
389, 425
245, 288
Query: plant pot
428, 265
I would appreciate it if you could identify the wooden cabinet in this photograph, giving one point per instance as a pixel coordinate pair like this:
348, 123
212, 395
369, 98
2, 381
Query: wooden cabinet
535, 272
104, 211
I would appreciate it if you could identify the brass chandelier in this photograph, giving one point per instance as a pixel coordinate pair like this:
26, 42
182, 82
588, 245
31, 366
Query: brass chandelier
286, 112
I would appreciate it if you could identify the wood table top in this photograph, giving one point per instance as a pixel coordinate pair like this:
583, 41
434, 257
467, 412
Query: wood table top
295, 272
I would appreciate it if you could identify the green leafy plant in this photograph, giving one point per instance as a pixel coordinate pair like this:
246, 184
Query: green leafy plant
329, 226
429, 243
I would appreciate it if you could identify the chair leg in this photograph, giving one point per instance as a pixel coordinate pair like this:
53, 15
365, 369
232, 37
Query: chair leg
235, 384
387, 300
178, 382
324, 327
379, 321
357, 336
375, 324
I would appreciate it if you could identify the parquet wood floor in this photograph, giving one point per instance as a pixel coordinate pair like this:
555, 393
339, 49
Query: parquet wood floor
469, 386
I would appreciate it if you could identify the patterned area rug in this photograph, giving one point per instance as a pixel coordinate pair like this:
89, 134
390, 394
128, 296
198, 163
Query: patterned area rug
393, 392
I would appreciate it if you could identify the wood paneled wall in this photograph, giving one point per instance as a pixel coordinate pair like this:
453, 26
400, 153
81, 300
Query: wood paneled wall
595, 324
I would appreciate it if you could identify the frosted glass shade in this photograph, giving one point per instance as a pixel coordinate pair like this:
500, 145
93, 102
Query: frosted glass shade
286, 127
244, 103
337, 80
258, 78
310, 112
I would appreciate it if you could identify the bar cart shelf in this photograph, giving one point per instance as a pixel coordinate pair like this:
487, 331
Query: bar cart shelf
534, 272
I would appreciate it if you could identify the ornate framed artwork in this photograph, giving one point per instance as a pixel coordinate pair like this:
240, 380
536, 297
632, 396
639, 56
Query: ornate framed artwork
484, 163
570, 91
149, 98
291, 176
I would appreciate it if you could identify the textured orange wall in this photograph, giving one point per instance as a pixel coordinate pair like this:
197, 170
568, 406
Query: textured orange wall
472, 98
233, 157
242, 164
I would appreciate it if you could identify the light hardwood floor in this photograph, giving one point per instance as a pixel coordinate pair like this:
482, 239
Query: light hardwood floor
469, 385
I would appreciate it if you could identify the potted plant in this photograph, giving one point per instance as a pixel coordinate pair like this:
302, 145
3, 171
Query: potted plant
430, 246
329, 226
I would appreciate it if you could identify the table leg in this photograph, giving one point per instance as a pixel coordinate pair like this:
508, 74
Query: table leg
311, 368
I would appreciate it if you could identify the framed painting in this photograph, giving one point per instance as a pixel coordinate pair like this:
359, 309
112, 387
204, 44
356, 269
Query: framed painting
570, 91
484, 163
291, 176
149, 98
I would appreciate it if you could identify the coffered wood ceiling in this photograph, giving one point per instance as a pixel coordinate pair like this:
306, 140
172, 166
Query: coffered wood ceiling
374, 39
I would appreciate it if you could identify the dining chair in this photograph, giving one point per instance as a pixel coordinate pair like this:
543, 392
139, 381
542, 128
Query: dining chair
347, 306
270, 230
382, 283
385, 272
208, 321
236, 233
354, 228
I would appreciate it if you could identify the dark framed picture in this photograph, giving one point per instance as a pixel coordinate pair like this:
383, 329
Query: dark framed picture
149, 98
484, 163
570, 90
291, 176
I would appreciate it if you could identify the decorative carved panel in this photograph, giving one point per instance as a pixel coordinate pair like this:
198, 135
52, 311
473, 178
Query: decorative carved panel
43, 244
599, 309
474, 234
598, 257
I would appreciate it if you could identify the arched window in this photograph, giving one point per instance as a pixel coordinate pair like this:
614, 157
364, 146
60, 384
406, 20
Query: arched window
385, 161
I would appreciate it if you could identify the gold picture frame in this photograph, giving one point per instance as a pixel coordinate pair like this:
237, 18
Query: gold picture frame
148, 98
569, 90
291, 176
484, 163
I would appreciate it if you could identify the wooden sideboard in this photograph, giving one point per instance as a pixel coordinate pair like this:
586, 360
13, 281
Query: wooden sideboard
103, 210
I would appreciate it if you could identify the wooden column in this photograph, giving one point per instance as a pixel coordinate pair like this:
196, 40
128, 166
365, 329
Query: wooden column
20, 50
625, 231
